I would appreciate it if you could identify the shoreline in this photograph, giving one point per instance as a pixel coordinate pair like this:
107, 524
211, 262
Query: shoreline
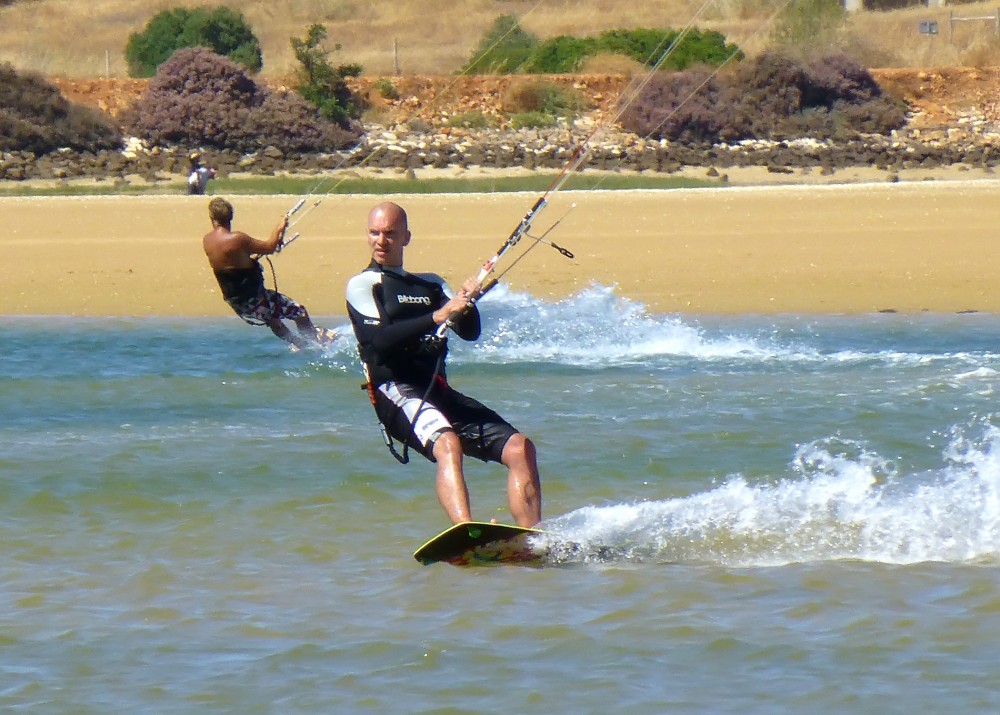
908, 247
742, 176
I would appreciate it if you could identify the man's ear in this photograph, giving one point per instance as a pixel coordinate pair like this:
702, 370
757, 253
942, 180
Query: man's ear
406, 241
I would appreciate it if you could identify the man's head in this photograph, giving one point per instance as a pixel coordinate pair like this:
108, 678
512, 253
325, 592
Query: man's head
220, 212
388, 234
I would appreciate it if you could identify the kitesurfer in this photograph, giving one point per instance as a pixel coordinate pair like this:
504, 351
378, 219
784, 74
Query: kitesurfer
234, 257
396, 316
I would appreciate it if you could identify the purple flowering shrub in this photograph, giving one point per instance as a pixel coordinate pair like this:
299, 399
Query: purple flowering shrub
35, 117
201, 99
768, 97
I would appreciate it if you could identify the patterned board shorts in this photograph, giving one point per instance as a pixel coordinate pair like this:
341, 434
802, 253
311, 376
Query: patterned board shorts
267, 305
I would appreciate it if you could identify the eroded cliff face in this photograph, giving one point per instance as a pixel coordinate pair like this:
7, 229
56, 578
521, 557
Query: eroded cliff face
954, 123
937, 97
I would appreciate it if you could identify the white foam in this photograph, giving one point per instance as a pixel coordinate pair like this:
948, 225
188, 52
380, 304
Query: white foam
838, 501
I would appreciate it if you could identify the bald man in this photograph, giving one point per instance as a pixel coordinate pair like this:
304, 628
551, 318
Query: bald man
396, 315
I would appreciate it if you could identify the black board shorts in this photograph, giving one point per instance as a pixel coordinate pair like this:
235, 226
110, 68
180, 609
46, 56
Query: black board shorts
482, 432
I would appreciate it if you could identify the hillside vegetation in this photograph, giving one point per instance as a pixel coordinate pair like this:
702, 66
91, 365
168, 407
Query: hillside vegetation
87, 39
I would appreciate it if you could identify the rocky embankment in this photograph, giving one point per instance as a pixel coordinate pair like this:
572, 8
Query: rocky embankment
528, 149
945, 130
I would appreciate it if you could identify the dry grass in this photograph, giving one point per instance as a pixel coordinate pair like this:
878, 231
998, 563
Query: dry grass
608, 63
87, 39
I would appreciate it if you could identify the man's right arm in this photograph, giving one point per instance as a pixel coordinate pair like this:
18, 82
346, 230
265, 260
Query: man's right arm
461, 310
261, 247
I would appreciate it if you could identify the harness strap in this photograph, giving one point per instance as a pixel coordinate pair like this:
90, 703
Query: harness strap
386, 437
436, 380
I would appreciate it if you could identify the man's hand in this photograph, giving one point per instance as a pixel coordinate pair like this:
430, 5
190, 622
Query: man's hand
452, 309
471, 288
459, 303
282, 227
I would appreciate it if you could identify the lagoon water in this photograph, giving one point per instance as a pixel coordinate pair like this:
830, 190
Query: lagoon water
776, 515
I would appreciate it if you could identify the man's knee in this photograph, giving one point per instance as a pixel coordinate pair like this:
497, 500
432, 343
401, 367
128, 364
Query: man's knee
447, 443
519, 449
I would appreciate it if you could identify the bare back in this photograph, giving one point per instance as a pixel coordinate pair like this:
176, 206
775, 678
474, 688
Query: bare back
231, 249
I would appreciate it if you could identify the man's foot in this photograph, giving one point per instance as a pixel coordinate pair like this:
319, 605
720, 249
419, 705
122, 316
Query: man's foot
325, 336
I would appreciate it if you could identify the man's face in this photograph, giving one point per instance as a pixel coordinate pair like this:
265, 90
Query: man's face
387, 237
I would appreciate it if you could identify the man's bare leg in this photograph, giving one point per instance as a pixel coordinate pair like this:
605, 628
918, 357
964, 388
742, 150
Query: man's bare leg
452, 491
524, 488
305, 325
313, 333
281, 330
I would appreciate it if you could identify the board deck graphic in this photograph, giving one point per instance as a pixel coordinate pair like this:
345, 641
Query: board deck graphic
475, 542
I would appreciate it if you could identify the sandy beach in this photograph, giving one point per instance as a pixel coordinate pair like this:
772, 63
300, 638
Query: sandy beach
850, 248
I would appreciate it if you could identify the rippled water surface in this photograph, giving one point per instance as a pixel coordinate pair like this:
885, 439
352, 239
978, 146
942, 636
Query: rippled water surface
776, 515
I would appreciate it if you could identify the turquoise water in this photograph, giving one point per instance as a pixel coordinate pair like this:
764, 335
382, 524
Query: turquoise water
777, 515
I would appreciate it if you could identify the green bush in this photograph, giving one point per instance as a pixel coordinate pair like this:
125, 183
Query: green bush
473, 119
566, 54
505, 49
386, 89
220, 29
532, 120
642, 45
560, 55
351, 69
545, 98
322, 84
700, 48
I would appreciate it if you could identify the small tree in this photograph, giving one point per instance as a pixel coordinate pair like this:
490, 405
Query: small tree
809, 28
505, 49
220, 29
322, 84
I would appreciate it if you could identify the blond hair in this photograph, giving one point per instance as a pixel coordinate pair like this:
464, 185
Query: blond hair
220, 211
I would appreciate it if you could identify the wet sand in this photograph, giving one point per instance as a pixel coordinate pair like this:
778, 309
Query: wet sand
852, 248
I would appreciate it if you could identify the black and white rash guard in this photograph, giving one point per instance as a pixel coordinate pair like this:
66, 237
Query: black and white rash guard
391, 311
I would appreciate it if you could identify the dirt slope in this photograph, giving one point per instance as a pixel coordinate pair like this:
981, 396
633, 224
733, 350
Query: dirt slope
942, 96
936, 96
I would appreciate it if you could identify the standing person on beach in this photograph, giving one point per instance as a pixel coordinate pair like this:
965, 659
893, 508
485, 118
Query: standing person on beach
396, 315
234, 257
198, 176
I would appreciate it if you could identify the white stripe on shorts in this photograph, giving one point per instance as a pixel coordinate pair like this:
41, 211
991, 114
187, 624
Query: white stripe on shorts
428, 425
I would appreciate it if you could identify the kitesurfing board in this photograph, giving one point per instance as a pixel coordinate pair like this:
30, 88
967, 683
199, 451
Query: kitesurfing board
474, 543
